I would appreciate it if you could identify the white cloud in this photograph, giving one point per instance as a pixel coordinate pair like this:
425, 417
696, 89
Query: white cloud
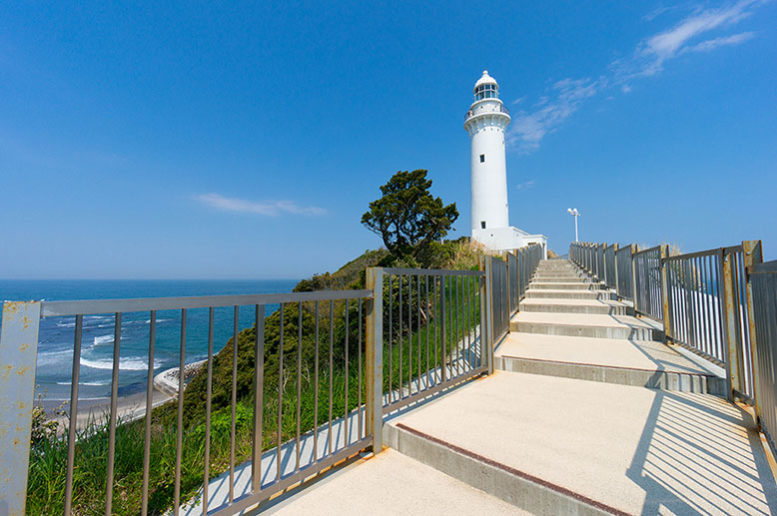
269, 208
530, 127
653, 52
525, 186
712, 44
565, 97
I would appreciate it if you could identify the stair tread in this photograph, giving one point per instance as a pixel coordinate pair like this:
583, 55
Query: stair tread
573, 319
573, 302
624, 353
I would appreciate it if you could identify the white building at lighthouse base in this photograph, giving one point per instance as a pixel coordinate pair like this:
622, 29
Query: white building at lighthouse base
507, 239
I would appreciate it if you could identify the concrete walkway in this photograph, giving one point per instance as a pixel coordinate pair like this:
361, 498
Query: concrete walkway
392, 483
554, 445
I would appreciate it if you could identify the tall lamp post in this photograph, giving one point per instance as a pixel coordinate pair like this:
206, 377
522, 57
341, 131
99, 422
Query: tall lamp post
575, 214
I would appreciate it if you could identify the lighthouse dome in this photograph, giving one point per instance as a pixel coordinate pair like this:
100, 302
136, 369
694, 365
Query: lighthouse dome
486, 87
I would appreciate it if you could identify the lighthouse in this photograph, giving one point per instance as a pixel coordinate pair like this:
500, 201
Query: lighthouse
486, 122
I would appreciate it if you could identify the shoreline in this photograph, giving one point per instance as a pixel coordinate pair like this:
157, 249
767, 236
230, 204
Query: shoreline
130, 404
129, 407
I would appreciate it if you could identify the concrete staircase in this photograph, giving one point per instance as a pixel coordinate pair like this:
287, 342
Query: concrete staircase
572, 326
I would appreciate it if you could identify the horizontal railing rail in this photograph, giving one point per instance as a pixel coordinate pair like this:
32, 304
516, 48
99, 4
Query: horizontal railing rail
107, 306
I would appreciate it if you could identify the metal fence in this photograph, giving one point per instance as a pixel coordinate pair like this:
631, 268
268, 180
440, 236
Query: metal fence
514, 282
278, 429
610, 271
764, 292
501, 309
432, 331
719, 303
324, 367
696, 303
599, 261
648, 294
625, 280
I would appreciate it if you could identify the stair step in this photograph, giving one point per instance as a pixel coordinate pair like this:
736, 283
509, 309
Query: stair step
568, 294
525, 491
582, 306
559, 279
586, 325
637, 363
565, 286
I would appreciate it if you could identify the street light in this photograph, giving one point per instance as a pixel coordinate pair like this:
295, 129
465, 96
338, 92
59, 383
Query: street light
575, 214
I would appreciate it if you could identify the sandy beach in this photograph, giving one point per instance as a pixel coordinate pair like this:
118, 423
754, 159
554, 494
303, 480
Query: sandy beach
130, 407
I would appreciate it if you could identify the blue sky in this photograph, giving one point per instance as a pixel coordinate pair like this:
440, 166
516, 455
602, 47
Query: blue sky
246, 140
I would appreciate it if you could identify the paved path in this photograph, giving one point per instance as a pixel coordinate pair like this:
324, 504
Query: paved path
392, 483
636, 450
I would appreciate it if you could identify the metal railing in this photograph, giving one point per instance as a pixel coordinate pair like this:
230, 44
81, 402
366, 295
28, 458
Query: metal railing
764, 292
719, 303
625, 281
287, 433
514, 281
695, 302
501, 109
432, 331
648, 294
499, 295
610, 270
325, 367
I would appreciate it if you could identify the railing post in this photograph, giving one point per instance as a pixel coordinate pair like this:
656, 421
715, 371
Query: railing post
603, 263
753, 254
486, 314
664, 254
18, 355
634, 296
734, 346
374, 358
615, 266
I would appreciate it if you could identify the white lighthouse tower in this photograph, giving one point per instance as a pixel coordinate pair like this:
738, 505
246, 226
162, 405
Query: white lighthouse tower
486, 122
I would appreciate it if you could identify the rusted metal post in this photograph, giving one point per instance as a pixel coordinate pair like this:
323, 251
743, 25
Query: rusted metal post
18, 354
734, 345
753, 254
664, 254
374, 358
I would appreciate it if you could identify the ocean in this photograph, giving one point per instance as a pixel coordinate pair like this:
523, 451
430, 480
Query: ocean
57, 334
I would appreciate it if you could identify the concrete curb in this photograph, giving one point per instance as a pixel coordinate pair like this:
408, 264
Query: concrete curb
652, 379
509, 484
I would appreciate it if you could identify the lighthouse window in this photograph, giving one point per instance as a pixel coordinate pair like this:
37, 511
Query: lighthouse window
482, 224
482, 158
